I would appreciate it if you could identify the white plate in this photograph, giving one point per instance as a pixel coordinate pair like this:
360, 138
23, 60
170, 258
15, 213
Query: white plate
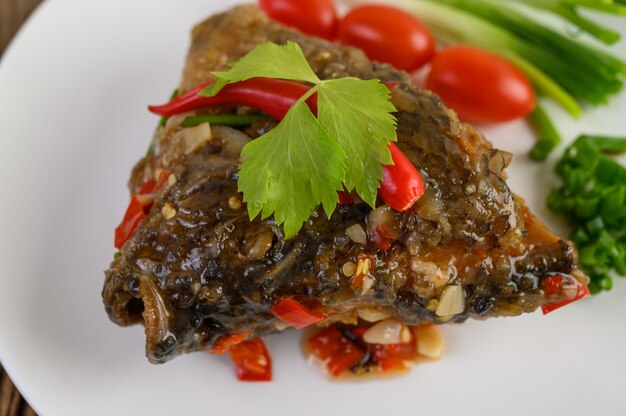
73, 91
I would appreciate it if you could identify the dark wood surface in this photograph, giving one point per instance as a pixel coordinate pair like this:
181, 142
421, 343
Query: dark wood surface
12, 14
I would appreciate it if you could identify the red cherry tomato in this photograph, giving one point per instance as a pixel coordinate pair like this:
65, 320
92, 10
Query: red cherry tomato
387, 34
312, 17
479, 86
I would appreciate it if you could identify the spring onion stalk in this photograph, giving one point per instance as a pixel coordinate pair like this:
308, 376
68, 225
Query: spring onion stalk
548, 136
237, 120
566, 70
593, 200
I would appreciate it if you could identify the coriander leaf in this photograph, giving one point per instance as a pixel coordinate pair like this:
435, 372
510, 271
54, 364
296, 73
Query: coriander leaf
266, 60
291, 169
356, 114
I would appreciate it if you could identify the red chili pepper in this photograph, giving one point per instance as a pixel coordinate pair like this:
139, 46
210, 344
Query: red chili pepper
582, 291
147, 187
138, 208
338, 353
272, 96
252, 360
552, 284
296, 314
402, 184
224, 343
133, 216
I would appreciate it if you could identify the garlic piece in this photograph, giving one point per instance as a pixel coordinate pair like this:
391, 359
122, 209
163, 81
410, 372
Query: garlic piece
385, 332
452, 301
357, 234
430, 341
372, 314
168, 211
192, 138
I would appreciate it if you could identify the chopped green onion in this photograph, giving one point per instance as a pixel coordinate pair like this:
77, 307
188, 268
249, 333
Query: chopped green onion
593, 199
616, 145
224, 120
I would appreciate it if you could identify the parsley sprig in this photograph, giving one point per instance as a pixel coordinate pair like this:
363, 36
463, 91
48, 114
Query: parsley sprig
305, 160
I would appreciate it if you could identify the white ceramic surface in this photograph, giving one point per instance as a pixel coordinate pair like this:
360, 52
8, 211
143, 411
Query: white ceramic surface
73, 91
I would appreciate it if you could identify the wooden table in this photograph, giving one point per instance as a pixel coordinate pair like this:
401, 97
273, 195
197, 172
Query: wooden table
12, 15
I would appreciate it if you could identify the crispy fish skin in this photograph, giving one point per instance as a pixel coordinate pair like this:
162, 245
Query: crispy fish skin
209, 271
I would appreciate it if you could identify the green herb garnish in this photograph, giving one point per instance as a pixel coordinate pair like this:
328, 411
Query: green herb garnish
305, 160
593, 199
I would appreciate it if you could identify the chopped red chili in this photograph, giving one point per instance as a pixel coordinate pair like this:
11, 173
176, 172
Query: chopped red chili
394, 357
335, 350
582, 291
296, 314
137, 209
252, 360
133, 216
224, 343
552, 284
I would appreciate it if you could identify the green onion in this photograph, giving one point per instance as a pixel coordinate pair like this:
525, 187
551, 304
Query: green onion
593, 200
549, 137
562, 68
616, 145
224, 120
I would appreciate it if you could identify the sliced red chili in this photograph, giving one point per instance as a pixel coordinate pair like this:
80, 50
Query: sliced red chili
335, 350
133, 216
582, 291
224, 343
296, 314
272, 96
252, 360
402, 184
138, 208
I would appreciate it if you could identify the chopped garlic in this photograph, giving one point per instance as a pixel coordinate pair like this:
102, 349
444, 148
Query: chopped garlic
452, 301
372, 314
430, 341
357, 234
385, 332
168, 211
